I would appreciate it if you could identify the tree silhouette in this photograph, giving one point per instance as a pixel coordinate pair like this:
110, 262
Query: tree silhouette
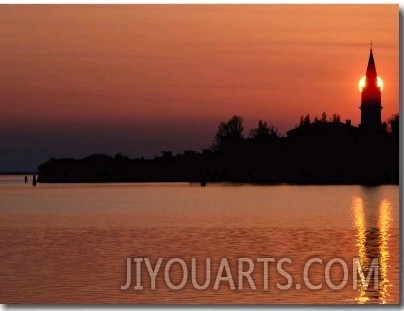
394, 125
230, 131
121, 157
301, 121
304, 120
319, 152
324, 117
307, 120
264, 132
336, 117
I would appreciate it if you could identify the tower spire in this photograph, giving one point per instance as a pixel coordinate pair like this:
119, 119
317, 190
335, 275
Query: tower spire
371, 99
371, 73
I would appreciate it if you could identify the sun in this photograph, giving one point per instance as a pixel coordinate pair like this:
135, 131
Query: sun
380, 83
362, 83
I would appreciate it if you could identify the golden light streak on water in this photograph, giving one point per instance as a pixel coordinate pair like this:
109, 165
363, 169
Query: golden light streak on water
384, 225
360, 225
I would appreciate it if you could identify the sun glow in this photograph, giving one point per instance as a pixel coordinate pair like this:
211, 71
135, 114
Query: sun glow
362, 83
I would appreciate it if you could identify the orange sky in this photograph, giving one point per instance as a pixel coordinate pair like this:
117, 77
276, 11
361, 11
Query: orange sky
141, 78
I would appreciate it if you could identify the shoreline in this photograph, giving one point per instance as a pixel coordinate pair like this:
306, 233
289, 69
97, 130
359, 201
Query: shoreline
234, 183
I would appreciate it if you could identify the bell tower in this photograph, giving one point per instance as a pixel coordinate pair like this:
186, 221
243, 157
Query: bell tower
371, 105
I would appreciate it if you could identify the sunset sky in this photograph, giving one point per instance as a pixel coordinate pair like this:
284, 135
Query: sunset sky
138, 79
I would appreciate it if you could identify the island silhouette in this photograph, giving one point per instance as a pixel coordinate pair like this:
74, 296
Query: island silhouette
317, 151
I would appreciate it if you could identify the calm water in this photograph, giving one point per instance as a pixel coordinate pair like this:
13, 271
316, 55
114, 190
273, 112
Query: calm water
69, 243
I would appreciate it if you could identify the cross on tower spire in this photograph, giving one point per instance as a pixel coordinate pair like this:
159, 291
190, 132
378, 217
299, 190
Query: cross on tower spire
371, 44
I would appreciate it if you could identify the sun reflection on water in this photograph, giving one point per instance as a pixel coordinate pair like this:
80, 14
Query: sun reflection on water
360, 224
384, 225
372, 240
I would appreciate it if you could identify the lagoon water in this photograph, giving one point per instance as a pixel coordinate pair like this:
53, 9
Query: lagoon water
68, 243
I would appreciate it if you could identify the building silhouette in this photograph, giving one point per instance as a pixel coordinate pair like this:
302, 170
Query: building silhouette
371, 106
317, 151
